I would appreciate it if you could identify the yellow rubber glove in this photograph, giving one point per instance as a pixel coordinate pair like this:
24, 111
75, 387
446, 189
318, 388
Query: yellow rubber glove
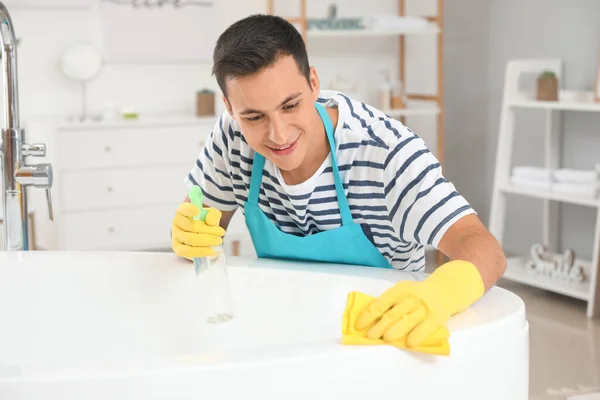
436, 344
194, 239
418, 309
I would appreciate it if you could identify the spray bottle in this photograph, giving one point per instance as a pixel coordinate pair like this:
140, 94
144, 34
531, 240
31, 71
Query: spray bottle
211, 273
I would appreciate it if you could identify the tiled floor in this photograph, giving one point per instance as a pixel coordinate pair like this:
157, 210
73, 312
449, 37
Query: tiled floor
564, 345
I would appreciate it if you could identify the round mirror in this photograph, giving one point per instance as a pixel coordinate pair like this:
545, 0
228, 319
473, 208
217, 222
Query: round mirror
81, 62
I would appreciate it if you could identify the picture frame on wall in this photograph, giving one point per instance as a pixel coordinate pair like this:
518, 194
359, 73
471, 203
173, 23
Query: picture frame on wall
129, 33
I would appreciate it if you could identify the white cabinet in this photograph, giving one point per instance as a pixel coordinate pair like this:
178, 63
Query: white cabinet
117, 184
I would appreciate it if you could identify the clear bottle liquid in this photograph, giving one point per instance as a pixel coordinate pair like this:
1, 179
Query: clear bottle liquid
215, 288
399, 97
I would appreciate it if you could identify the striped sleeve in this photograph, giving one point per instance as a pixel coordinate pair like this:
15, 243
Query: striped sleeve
211, 170
421, 202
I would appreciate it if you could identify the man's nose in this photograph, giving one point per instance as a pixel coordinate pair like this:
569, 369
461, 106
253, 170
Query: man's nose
277, 131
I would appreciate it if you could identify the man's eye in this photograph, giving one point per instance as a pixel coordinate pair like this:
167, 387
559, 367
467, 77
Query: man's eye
254, 119
291, 106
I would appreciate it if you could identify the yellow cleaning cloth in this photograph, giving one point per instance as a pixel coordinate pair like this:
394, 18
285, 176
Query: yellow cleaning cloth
436, 344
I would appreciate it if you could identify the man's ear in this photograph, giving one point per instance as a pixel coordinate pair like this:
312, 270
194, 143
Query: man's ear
227, 105
315, 84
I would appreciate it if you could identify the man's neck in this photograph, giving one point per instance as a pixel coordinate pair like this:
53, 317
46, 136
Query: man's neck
316, 155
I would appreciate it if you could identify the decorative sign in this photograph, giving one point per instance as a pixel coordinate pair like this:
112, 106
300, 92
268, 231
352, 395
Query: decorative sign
162, 3
46, 3
556, 266
158, 30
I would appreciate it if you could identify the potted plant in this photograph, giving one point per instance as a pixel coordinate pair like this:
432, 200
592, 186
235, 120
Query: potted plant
205, 103
547, 86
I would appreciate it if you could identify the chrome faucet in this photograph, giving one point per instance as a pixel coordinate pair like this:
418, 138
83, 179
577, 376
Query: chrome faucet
16, 174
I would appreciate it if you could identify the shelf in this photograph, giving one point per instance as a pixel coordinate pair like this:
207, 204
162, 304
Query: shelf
551, 195
320, 33
568, 101
556, 105
515, 271
143, 120
410, 111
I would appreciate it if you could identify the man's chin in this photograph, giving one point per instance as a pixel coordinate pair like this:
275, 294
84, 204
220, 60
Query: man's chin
285, 165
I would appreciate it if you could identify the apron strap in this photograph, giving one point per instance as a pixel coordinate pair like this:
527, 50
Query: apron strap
339, 188
255, 178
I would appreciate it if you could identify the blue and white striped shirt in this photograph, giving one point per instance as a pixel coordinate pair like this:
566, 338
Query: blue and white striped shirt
393, 183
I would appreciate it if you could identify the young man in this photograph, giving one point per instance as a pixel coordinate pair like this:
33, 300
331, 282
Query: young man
323, 177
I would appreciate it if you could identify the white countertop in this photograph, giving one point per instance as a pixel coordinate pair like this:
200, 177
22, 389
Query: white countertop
144, 120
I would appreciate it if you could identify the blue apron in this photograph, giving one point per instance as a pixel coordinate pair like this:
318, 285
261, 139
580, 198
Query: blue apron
344, 245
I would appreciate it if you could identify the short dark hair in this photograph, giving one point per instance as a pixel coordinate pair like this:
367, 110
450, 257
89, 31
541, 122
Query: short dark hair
254, 43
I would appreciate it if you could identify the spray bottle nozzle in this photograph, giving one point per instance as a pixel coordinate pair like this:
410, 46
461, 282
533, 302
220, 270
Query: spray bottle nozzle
196, 198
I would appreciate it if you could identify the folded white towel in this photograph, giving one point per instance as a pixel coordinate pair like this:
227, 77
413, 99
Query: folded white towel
531, 182
543, 174
567, 175
587, 190
584, 396
392, 22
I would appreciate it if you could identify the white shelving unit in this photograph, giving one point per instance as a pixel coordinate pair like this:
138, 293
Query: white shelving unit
569, 101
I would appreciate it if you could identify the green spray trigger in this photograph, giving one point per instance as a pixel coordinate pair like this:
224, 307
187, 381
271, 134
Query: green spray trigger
196, 197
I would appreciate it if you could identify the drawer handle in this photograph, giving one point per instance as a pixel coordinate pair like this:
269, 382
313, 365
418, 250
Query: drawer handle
107, 149
109, 189
111, 229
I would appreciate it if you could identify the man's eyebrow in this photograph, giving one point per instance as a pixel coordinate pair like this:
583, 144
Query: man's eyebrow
287, 99
290, 98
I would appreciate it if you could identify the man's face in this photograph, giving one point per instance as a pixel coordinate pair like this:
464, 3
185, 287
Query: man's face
275, 109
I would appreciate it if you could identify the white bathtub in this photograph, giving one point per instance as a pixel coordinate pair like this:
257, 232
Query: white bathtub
112, 326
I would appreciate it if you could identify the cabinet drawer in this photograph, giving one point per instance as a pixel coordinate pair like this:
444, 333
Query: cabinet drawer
84, 149
101, 189
125, 229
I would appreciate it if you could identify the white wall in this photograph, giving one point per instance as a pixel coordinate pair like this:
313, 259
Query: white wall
167, 88
466, 99
481, 38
